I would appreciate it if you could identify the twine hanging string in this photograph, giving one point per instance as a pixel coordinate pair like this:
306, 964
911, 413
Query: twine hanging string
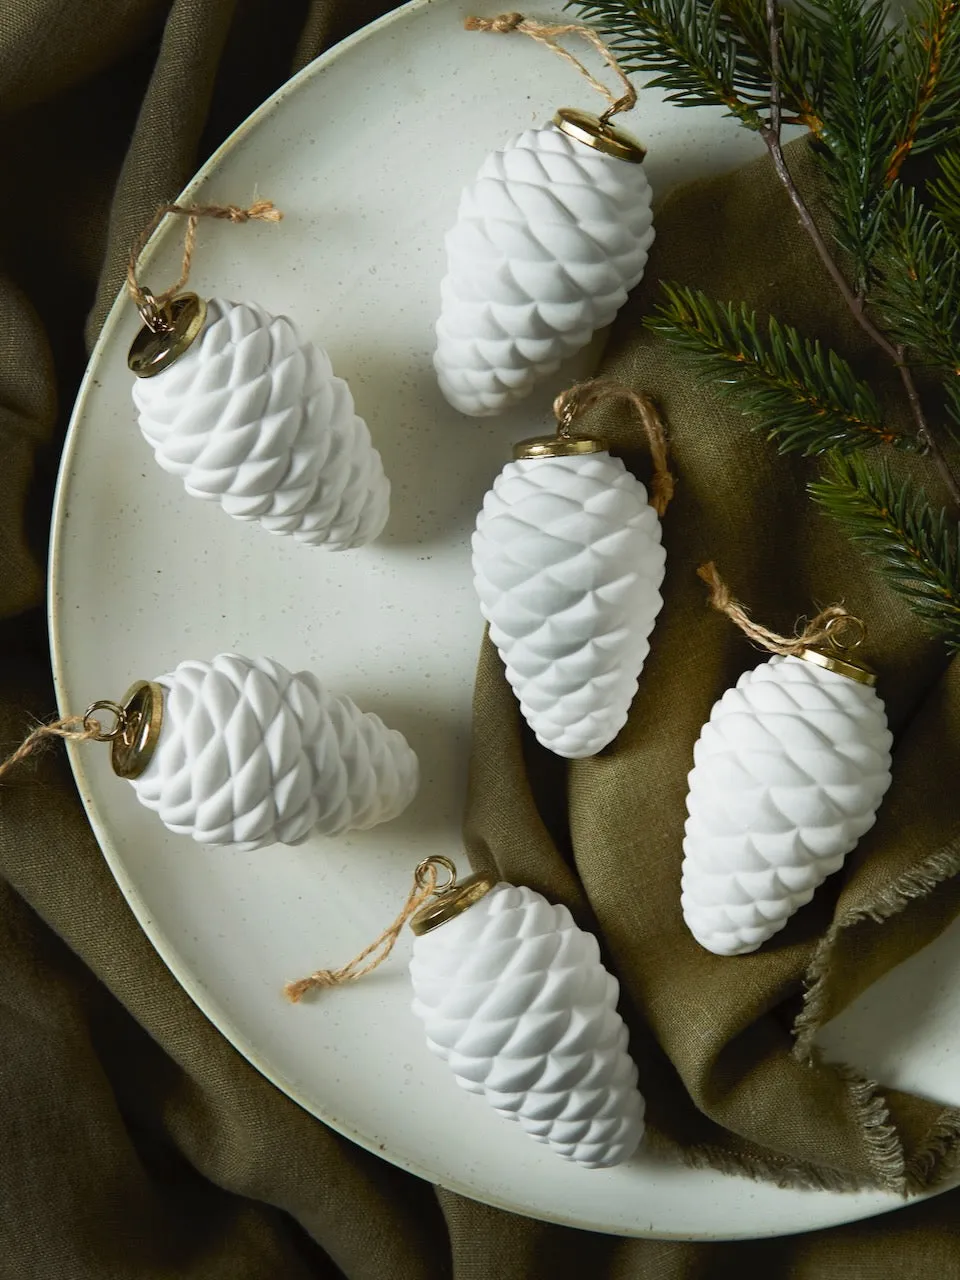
72, 728
549, 34
150, 305
583, 395
424, 887
828, 627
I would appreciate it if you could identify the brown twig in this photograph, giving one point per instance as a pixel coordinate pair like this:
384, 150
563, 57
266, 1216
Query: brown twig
855, 303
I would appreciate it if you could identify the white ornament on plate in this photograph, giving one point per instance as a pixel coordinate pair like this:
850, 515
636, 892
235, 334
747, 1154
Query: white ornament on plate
252, 416
515, 999
250, 754
788, 774
549, 240
567, 563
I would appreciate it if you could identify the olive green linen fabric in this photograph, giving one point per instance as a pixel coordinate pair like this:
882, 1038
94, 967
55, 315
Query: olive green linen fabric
730, 1087
134, 1141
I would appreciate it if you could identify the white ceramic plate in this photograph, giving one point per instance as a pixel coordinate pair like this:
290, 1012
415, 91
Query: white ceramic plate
366, 152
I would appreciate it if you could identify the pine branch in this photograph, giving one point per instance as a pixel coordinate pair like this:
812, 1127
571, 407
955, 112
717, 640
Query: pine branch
914, 547
800, 69
854, 301
918, 290
873, 93
928, 90
694, 48
712, 52
806, 396
945, 193
857, 110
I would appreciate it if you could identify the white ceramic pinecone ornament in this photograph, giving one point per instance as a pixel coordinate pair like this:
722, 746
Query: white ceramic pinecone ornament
550, 238
788, 774
567, 563
253, 417
251, 754
514, 998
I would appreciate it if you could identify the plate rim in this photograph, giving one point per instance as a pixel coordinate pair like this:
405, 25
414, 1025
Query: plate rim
191, 983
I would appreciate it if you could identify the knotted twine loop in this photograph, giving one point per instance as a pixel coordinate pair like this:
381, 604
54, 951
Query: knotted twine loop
151, 306
826, 627
424, 887
583, 395
73, 728
548, 34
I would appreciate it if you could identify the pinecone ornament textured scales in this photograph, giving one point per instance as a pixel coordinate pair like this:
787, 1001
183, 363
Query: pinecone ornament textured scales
549, 239
514, 998
254, 418
567, 563
251, 754
788, 774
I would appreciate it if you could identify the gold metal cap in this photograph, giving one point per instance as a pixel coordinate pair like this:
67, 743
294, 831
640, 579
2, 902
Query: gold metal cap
844, 633
599, 134
842, 666
138, 731
558, 446
134, 736
156, 346
452, 902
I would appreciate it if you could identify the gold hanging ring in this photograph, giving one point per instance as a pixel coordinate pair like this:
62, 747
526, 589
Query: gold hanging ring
846, 632
153, 315
566, 410
90, 723
431, 864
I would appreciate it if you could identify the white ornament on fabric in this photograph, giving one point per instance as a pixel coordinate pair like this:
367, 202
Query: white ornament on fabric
549, 240
253, 417
788, 774
251, 754
515, 999
567, 563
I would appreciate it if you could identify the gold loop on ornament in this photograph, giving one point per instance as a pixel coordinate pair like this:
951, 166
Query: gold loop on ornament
566, 414
431, 864
152, 314
450, 899
92, 724
836, 629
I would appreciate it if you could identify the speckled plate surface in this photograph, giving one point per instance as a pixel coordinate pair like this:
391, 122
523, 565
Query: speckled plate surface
366, 152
